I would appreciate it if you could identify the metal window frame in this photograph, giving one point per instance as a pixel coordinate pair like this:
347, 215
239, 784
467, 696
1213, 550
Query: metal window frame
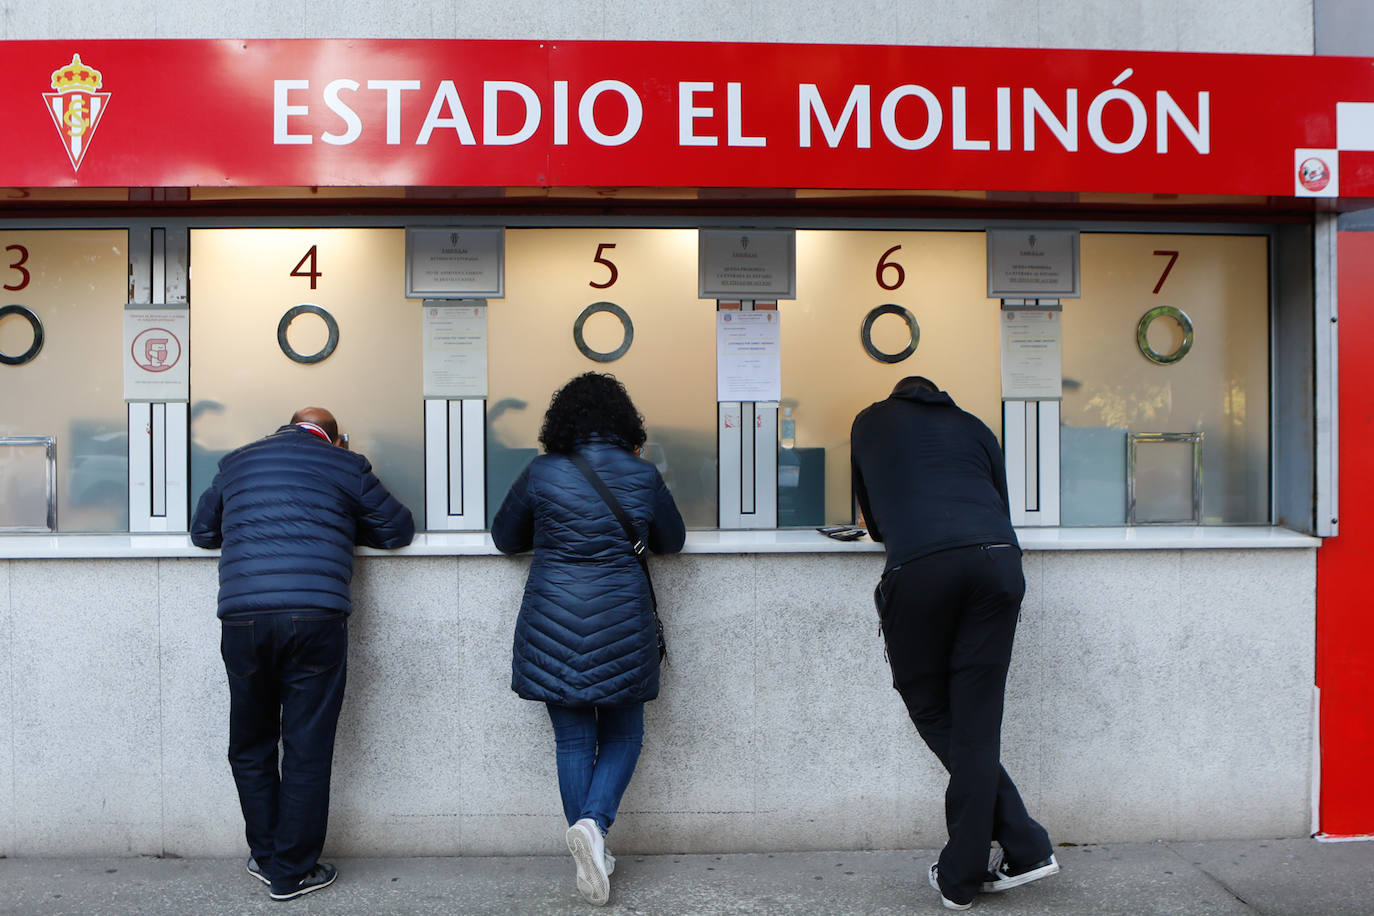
174, 238
49, 444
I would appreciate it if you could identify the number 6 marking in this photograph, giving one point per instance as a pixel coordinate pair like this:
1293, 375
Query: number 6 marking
1172, 256
884, 265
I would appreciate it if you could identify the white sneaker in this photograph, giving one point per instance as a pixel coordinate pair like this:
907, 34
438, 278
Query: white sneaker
935, 883
610, 859
588, 850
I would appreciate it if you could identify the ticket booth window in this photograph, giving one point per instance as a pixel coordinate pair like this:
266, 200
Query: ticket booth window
61, 332
612, 300
828, 372
1171, 336
351, 343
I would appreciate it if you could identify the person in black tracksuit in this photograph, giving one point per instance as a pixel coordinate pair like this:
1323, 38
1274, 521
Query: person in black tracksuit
931, 483
286, 512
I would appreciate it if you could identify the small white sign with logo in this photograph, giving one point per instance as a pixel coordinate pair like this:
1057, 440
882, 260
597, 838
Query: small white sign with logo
455, 349
457, 262
748, 356
1031, 355
156, 348
1032, 263
747, 264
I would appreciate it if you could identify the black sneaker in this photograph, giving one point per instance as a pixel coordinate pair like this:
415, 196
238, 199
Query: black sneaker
256, 871
318, 878
1006, 876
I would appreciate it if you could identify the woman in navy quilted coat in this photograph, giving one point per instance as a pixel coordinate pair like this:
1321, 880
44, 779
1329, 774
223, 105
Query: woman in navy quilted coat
585, 640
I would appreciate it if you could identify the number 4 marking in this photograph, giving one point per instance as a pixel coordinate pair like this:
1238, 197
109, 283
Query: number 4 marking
314, 272
1172, 256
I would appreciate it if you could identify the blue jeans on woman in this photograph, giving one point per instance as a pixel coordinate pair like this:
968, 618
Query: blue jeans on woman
598, 747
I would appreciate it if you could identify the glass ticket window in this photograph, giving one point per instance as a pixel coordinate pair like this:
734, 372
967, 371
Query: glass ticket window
844, 278
63, 296
287, 318
1171, 339
628, 296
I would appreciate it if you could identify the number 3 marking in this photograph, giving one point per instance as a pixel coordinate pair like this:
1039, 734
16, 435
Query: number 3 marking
19, 266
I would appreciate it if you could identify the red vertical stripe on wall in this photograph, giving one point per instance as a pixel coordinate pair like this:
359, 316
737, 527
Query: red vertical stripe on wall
1345, 565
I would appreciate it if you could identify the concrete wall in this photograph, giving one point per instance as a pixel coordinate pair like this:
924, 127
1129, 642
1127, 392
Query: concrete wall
1240, 26
1154, 694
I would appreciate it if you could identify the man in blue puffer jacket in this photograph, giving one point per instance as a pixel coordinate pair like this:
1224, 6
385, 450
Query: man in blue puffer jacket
287, 511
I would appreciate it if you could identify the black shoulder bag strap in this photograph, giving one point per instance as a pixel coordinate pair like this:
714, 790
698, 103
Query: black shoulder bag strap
639, 548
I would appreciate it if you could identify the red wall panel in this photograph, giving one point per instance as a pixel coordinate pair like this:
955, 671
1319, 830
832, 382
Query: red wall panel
1345, 587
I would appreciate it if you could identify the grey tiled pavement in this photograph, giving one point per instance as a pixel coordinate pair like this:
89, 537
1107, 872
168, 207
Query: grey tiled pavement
1270, 877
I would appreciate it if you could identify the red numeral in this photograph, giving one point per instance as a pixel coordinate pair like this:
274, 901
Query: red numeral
314, 272
615, 273
885, 265
1172, 256
19, 266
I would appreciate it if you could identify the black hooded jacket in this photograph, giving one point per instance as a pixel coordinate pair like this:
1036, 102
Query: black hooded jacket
928, 476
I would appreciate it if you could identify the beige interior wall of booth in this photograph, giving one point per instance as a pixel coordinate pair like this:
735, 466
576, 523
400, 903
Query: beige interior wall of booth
827, 377
242, 384
669, 369
77, 282
1219, 388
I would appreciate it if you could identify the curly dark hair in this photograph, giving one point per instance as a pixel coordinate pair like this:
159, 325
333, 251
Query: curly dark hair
592, 404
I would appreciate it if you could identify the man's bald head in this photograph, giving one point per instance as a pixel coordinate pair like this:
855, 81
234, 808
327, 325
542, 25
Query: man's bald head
321, 418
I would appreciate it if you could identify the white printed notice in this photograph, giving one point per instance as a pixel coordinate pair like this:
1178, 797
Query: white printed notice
455, 349
156, 367
1031, 347
748, 356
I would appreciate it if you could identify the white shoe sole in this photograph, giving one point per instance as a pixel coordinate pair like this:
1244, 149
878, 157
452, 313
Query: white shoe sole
301, 892
948, 904
1006, 884
592, 881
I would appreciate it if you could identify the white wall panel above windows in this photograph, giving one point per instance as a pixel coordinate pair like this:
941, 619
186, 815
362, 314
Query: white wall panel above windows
1238, 26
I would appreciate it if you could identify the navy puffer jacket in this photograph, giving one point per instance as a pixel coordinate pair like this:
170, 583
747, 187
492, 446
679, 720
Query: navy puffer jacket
585, 635
287, 511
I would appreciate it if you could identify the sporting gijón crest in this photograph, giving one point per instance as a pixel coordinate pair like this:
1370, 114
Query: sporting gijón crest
76, 105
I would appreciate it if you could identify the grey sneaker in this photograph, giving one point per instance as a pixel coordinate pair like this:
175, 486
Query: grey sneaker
319, 877
1006, 875
935, 883
256, 872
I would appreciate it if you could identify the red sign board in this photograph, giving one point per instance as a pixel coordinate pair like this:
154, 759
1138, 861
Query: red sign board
620, 114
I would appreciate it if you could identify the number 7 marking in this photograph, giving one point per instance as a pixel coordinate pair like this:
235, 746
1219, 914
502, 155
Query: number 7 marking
1173, 256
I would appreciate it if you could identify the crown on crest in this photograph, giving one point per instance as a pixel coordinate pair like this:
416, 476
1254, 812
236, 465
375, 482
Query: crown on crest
76, 77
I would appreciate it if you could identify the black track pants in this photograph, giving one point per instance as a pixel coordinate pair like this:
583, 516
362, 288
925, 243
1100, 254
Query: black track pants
949, 620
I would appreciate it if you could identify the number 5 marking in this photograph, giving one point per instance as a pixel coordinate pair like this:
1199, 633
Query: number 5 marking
1172, 256
19, 266
615, 274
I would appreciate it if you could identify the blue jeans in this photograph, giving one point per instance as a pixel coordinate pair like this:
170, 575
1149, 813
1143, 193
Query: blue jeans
286, 682
598, 747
